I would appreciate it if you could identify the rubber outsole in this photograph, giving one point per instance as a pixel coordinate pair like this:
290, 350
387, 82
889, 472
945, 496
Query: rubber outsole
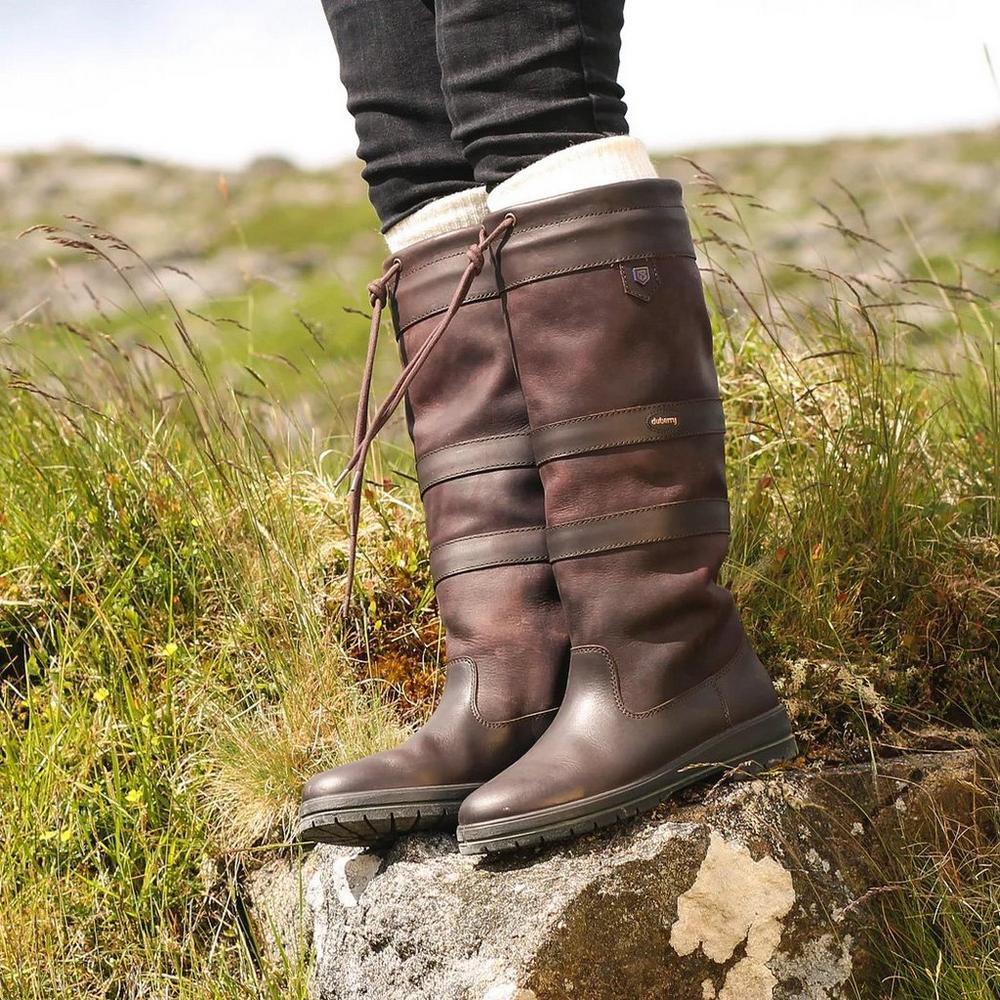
532, 831
370, 826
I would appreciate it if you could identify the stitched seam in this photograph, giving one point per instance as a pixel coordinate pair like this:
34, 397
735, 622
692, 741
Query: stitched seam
712, 680
592, 215
636, 510
637, 255
433, 261
557, 557
604, 445
474, 701
722, 700
495, 293
513, 561
447, 477
625, 409
496, 465
536, 556
461, 444
487, 534
500, 464
479, 297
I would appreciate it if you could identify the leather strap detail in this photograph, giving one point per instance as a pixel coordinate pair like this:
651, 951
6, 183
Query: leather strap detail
495, 548
502, 451
634, 425
662, 523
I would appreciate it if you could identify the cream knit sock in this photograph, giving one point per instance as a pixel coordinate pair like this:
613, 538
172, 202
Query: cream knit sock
588, 164
443, 215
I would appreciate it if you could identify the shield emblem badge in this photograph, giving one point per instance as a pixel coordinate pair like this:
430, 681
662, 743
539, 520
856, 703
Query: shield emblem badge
638, 280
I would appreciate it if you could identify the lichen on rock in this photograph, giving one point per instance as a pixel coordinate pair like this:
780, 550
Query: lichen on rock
735, 900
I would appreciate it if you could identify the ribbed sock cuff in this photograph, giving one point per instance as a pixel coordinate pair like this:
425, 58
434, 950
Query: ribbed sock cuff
588, 164
443, 215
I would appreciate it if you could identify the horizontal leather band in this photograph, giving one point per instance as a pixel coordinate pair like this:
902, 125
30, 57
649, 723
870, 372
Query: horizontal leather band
599, 227
503, 451
635, 425
662, 523
496, 548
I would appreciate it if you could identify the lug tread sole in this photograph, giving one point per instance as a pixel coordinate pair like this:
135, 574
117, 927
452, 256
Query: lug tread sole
377, 826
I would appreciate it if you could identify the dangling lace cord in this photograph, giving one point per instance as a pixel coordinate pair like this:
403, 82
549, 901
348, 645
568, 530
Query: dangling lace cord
378, 296
364, 437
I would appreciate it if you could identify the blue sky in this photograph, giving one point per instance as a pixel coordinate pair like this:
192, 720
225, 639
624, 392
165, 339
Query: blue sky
216, 82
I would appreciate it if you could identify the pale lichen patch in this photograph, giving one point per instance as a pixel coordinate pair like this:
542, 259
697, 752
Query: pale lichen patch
748, 979
735, 899
352, 875
816, 860
825, 963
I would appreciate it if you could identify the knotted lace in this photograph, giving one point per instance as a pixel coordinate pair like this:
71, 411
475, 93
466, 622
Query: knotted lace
364, 435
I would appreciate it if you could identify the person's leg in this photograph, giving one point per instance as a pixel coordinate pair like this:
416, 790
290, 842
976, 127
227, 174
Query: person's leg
524, 81
388, 63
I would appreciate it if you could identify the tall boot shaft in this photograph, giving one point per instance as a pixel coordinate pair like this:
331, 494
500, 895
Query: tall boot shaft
612, 344
614, 351
480, 487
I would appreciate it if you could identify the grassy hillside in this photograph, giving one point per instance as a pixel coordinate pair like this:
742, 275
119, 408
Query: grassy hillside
257, 253
172, 548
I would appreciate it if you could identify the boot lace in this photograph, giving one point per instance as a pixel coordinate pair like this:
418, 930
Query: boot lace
365, 434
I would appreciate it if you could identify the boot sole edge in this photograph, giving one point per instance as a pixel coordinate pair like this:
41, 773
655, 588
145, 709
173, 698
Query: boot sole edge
371, 826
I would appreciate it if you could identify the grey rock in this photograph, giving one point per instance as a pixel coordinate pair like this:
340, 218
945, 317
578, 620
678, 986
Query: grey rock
760, 890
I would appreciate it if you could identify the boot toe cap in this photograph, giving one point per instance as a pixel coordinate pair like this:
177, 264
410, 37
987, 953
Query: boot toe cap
493, 801
417, 763
365, 775
489, 803
522, 789
333, 782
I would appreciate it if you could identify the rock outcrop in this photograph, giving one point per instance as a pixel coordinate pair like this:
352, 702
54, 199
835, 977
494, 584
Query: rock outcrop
762, 890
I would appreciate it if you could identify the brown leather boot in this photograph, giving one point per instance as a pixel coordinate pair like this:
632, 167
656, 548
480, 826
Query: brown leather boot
613, 348
507, 638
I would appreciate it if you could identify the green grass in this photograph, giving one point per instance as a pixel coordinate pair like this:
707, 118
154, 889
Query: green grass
172, 554
155, 589
291, 227
938, 908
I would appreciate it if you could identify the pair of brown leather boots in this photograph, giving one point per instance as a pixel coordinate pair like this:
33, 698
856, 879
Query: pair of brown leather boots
570, 454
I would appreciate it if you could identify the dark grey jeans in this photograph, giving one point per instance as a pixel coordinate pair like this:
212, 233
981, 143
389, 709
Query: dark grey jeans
451, 94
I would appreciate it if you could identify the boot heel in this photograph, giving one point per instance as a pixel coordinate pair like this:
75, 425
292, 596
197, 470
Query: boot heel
765, 758
758, 744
